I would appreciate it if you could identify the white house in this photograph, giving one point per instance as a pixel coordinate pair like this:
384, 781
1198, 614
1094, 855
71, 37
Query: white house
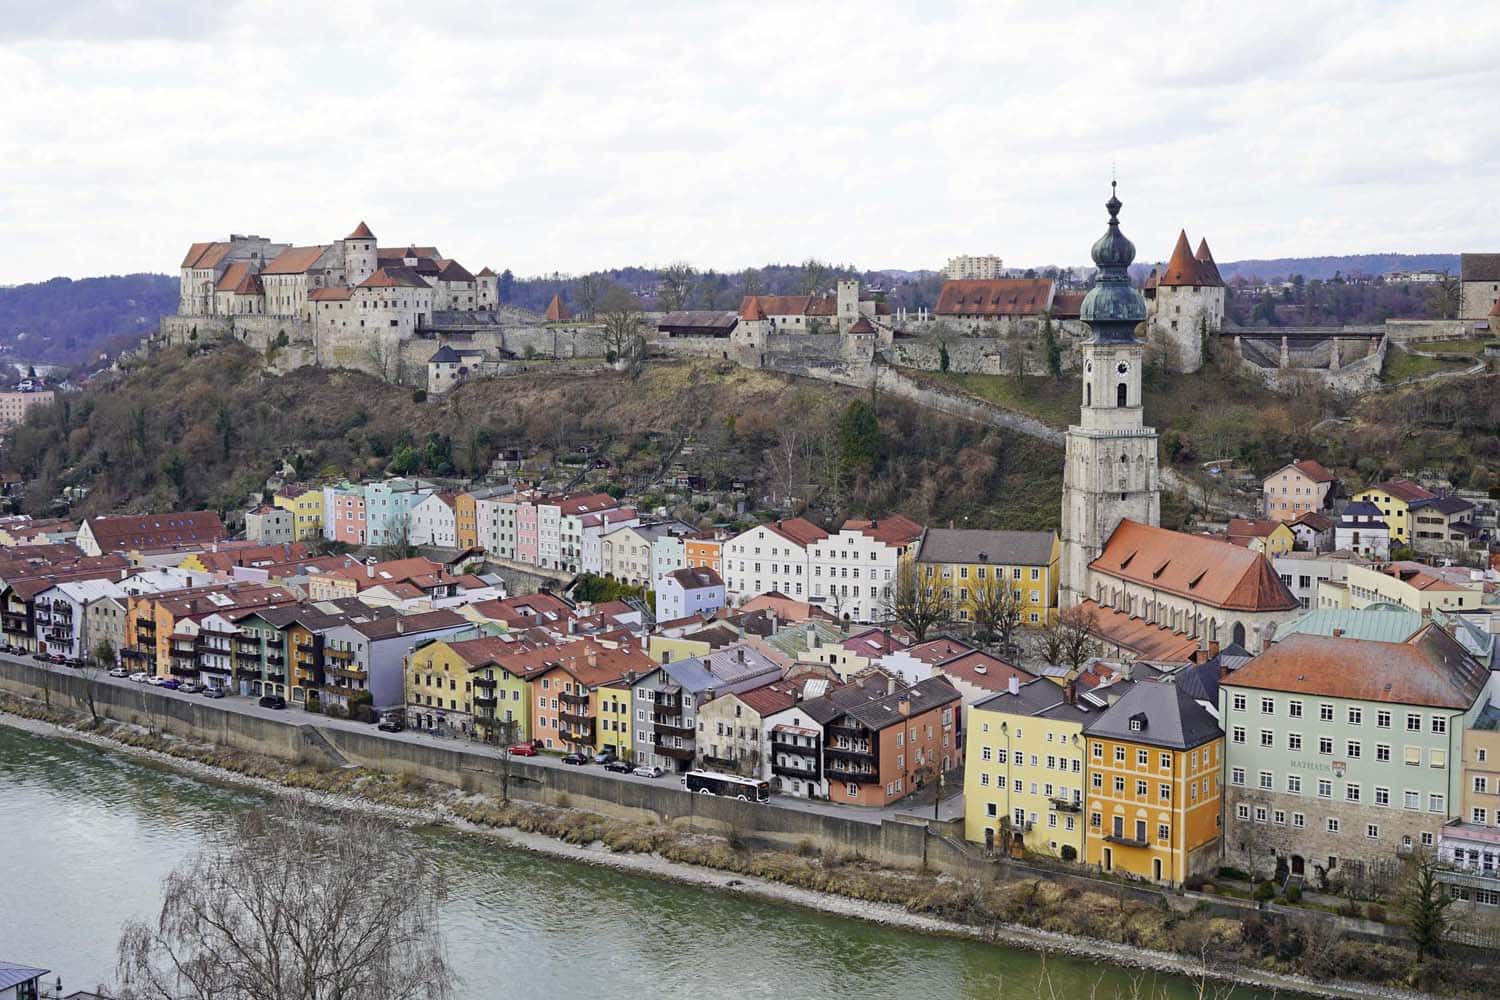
853, 571
591, 530
61, 615
434, 521
771, 557
684, 592
495, 519
1362, 530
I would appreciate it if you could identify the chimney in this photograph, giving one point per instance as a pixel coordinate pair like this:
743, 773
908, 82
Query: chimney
593, 657
981, 669
812, 636
1070, 690
1338, 633
739, 654
904, 707
1015, 684
773, 622
400, 626
890, 685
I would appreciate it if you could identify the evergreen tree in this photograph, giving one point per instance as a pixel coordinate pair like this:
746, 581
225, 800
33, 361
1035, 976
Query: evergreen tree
1050, 345
859, 441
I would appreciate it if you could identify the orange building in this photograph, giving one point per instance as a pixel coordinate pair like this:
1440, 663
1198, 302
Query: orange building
466, 520
705, 550
1153, 762
578, 685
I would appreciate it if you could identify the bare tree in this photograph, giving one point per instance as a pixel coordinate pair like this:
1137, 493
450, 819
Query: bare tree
751, 282
916, 603
814, 274
997, 613
674, 283
398, 541
1444, 297
620, 312
788, 457
1069, 639
296, 905
586, 292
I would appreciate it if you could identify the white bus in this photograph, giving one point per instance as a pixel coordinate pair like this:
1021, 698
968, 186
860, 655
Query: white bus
728, 785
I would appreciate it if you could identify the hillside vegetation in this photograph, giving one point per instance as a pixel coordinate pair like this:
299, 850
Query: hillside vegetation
206, 428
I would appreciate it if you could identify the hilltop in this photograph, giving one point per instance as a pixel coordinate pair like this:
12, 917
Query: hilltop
205, 428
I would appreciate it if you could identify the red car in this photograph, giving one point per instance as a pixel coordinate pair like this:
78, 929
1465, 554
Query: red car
521, 750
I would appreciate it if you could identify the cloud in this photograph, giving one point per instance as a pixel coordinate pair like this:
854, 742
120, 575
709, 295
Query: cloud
579, 135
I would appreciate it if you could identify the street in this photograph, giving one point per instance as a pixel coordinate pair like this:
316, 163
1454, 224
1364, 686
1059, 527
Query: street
919, 805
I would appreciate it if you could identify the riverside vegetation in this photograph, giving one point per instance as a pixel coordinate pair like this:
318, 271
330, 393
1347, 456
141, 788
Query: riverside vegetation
1261, 941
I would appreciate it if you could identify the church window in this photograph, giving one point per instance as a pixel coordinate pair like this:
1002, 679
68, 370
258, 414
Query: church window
1120, 394
1088, 395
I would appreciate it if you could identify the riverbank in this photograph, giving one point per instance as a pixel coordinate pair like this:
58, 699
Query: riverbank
1125, 932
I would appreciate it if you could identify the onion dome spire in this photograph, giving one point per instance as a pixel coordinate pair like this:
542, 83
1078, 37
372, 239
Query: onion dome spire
1113, 307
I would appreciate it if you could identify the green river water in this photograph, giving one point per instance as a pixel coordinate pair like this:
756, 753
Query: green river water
89, 835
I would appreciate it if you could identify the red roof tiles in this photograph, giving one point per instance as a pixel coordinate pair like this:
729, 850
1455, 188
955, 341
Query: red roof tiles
557, 312
294, 260
361, 232
1208, 570
995, 297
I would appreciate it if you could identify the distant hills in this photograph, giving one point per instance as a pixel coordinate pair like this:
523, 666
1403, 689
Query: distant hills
67, 322
1324, 268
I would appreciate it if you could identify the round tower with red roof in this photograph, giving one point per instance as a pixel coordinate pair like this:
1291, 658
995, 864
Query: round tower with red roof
359, 255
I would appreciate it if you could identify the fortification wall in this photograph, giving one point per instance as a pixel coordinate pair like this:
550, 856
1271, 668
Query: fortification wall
1405, 331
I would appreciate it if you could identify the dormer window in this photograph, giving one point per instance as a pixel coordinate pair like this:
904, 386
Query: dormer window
1135, 725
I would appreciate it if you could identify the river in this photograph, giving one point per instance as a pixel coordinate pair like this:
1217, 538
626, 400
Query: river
89, 835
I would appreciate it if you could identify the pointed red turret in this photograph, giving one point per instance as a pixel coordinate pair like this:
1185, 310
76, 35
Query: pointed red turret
750, 309
1182, 269
1206, 266
557, 312
361, 232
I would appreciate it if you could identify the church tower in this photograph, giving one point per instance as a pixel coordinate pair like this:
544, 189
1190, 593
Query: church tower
1110, 471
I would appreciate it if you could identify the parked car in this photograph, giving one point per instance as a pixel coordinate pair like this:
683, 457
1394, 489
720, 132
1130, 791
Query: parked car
191, 687
140, 677
156, 681
647, 771
171, 684
58, 659
213, 692
576, 759
272, 701
40, 656
118, 672
521, 750
604, 757
619, 766
391, 725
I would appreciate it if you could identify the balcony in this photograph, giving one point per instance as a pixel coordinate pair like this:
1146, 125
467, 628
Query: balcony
676, 753
482, 702
485, 682
672, 702
276, 659
137, 653
305, 647
577, 738
671, 729
1066, 805
834, 749
852, 772
349, 674
852, 731
1124, 841
809, 749
579, 700
184, 670
276, 676
576, 721
810, 772
247, 673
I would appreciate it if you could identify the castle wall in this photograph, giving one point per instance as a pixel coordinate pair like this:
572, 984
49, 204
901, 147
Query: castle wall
1179, 317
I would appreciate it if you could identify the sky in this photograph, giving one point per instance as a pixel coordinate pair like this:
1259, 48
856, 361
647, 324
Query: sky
574, 136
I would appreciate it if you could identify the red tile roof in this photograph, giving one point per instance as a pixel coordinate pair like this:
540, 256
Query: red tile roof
1314, 520
769, 698
586, 503
750, 309
1241, 528
982, 670
194, 252
487, 273
1314, 470
895, 530
1404, 489
935, 651
339, 294
995, 297
1428, 669
129, 531
862, 325
798, 530
1208, 570
1184, 270
361, 232
1206, 266
1138, 637
1068, 305
454, 271
557, 312
232, 276
393, 276
294, 260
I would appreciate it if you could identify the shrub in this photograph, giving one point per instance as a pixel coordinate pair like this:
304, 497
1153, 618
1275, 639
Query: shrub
1375, 912
1069, 852
1194, 883
1349, 908
1238, 874
419, 396
1265, 892
1294, 893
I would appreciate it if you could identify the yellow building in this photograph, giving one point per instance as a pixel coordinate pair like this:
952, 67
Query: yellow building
1154, 758
613, 711
1394, 498
1412, 585
964, 565
1271, 538
476, 686
306, 505
1024, 772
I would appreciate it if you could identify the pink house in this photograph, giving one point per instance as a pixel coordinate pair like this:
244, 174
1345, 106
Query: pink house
527, 530
348, 513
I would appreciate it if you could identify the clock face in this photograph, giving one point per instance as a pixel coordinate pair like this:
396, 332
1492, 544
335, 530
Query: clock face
1122, 368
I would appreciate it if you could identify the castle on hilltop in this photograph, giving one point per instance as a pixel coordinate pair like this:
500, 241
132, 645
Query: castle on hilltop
1185, 303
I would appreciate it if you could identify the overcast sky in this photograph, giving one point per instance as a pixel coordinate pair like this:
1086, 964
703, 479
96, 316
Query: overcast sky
574, 136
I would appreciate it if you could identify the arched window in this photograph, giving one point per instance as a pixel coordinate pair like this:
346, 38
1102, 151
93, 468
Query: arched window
1120, 394
1238, 635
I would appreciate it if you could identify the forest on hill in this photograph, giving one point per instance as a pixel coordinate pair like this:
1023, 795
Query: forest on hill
67, 322
205, 428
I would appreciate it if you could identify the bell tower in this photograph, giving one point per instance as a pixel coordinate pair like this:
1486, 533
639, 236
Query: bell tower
1110, 471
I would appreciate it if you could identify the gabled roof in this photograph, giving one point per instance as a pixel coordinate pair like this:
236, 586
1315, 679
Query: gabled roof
151, 531
1241, 528
982, 670
294, 260
923, 696
1138, 637
1206, 266
1068, 305
995, 297
894, 530
557, 312
750, 309
445, 355
232, 276
1403, 489
1210, 571
770, 698
194, 252
696, 578
1314, 520
1429, 669
1157, 713
1444, 505
393, 276
250, 284
1360, 508
861, 325
487, 273
338, 293
454, 271
975, 545
1479, 267
797, 530
1313, 470
1379, 625
426, 621
12, 975
935, 651
361, 232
